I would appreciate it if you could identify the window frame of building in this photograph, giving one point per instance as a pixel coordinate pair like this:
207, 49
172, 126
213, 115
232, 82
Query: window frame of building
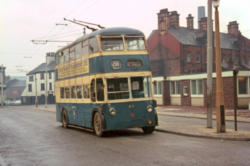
29, 87
158, 88
50, 86
246, 88
223, 58
42, 87
184, 91
31, 78
175, 88
41, 76
188, 56
195, 89
50, 75
198, 57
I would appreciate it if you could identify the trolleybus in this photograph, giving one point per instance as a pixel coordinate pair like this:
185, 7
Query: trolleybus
103, 82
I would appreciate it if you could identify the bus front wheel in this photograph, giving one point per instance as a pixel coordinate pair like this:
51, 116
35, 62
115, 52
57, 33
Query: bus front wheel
148, 130
98, 124
65, 119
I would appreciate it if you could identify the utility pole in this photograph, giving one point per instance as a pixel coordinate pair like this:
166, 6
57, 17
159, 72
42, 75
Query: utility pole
2, 88
36, 89
46, 84
220, 105
209, 66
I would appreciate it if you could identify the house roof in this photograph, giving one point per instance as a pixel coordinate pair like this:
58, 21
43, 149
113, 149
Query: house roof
42, 68
16, 83
190, 37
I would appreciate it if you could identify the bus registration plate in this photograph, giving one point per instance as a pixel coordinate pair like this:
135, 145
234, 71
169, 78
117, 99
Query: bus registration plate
132, 126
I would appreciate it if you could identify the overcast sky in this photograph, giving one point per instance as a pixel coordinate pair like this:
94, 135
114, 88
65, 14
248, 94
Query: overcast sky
24, 20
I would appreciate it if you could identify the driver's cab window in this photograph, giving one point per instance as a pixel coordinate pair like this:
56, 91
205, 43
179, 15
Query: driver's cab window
99, 89
92, 90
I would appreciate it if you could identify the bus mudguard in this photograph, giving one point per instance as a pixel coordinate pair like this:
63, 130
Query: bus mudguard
97, 109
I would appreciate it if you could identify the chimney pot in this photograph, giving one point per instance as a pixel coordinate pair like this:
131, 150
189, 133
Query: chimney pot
190, 22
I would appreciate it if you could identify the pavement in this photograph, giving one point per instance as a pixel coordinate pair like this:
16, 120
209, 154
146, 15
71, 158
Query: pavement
199, 131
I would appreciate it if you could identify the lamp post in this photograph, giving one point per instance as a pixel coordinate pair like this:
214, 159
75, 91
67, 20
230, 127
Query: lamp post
209, 65
220, 106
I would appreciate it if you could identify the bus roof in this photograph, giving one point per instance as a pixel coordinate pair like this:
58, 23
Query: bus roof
106, 31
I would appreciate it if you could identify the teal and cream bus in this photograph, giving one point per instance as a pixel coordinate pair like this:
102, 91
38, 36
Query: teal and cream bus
103, 82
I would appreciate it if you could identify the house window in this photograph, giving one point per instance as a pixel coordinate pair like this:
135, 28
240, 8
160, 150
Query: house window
31, 78
188, 56
237, 59
223, 58
243, 60
30, 88
42, 87
185, 93
191, 71
175, 88
158, 88
197, 87
243, 85
50, 75
41, 76
229, 57
50, 86
198, 57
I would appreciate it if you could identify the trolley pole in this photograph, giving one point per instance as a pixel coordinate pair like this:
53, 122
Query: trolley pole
209, 66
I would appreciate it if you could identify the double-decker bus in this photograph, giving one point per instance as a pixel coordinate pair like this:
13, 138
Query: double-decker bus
103, 82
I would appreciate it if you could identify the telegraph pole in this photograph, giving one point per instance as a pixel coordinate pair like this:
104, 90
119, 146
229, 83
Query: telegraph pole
36, 89
2, 88
46, 84
220, 105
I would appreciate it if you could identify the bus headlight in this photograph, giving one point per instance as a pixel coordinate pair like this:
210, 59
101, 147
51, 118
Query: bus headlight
112, 111
149, 108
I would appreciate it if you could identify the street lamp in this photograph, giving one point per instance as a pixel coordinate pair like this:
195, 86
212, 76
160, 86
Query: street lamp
220, 106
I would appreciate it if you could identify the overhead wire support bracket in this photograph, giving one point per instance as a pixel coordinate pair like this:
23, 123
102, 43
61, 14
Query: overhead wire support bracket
90, 23
93, 29
46, 41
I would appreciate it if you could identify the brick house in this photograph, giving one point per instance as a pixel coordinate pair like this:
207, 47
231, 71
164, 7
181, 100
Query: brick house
15, 89
178, 58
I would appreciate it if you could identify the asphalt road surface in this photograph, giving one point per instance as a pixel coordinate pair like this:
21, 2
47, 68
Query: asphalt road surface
202, 122
30, 137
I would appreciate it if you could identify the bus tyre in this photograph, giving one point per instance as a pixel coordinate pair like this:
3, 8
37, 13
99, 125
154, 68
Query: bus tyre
65, 123
148, 130
98, 124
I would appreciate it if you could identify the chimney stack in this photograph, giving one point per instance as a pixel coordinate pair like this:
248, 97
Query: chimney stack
203, 23
233, 28
190, 22
174, 19
163, 21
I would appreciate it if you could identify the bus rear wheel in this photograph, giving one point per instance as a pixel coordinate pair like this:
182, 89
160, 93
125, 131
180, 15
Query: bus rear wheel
98, 124
148, 130
65, 123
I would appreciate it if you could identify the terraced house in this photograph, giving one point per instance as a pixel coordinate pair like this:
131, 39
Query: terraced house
178, 57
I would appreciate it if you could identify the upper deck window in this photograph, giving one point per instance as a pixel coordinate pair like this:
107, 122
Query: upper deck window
72, 53
60, 57
85, 47
112, 43
93, 45
78, 50
66, 55
135, 42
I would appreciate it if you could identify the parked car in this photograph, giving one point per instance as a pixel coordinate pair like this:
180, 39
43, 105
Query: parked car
17, 103
12, 102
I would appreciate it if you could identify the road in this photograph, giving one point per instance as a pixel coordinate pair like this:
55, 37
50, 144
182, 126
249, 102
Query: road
202, 122
31, 137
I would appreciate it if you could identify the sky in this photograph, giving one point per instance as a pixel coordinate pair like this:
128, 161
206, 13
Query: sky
24, 20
